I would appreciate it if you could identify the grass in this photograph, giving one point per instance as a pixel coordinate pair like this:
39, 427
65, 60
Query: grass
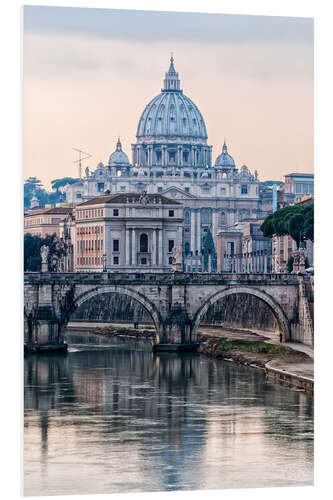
243, 346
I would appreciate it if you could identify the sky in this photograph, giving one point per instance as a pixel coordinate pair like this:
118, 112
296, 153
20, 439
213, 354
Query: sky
89, 73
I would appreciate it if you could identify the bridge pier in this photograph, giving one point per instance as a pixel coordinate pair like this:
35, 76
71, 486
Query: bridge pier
177, 334
45, 331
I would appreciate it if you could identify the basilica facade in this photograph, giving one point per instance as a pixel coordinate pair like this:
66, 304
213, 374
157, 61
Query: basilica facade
172, 157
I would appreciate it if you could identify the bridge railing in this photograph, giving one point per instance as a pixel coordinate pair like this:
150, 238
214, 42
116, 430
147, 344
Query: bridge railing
161, 278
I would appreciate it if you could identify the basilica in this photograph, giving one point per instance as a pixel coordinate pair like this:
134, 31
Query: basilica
172, 157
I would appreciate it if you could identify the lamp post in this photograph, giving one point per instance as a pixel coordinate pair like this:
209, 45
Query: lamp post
104, 263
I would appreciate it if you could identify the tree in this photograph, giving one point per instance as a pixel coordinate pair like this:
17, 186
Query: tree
33, 186
295, 220
57, 183
32, 246
209, 249
290, 264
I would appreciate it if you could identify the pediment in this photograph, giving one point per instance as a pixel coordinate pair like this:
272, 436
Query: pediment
176, 192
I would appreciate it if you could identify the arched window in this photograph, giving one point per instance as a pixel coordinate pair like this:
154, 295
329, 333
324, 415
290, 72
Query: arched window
223, 219
205, 217
143, 243
187, 217
187, 248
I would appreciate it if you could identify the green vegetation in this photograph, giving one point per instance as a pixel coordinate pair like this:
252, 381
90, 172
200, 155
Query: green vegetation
243, 346
33, 186
32, 245
295, 220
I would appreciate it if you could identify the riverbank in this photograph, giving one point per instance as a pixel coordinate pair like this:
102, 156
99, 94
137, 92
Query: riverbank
116, 330
283, 364
287, 364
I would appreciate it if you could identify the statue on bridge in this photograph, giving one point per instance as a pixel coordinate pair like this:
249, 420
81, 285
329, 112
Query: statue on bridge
44, 252
177, 258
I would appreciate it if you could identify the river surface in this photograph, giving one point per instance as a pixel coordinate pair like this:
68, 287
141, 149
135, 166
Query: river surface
110, 416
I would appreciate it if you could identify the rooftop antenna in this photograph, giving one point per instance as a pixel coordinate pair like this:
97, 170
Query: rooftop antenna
81, 158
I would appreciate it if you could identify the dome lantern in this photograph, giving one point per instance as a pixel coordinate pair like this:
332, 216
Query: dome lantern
171, 80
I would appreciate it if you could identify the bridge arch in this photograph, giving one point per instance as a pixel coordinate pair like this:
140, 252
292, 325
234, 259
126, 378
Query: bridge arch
276, 309
135, 295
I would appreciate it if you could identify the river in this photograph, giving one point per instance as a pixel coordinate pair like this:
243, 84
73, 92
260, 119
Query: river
110, 416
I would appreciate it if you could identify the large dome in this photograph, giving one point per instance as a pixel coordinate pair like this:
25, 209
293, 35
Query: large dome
171, 114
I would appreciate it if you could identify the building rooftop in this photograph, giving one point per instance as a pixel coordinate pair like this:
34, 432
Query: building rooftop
299, 174
50, 211
137, 198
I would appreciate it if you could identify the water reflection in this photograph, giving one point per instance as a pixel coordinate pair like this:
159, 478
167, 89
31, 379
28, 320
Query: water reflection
113, 417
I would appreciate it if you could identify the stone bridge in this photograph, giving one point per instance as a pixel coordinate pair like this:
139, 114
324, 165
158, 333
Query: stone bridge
175, 301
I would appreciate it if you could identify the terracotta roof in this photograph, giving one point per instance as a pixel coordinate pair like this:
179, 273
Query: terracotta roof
51, 211
131, 198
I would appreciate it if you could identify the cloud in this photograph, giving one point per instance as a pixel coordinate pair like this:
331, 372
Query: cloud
149, 26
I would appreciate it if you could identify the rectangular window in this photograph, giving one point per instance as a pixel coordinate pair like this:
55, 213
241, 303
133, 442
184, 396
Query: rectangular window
244, 189
115, 212
171, 245
100, 187
171, 213
115, 261
122, 189
116, 245
143, 260
170, 260
187, 190
159, 190
172, 156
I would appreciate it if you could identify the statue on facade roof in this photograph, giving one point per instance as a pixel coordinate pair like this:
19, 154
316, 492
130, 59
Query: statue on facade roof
143, 198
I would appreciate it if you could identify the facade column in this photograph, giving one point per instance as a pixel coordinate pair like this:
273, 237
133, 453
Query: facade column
198, 217
193, 230
133, 155
160, 248
178, 156
133, 248
154, 249
209, 162
163, 156
214, 225
127, 256
150, 156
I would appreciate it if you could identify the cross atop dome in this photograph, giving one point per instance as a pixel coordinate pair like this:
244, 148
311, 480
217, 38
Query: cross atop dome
171, 80
118, 147
224, 148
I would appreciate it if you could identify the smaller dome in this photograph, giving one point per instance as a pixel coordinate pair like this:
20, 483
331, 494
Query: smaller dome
118, 157
224, 159
100, 165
